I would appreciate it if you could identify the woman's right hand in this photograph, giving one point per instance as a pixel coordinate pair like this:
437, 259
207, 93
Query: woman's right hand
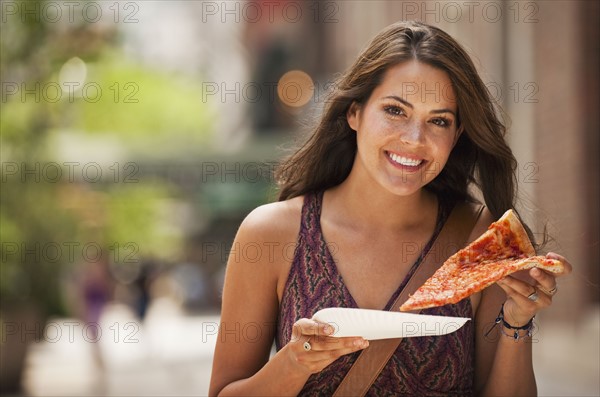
324, 349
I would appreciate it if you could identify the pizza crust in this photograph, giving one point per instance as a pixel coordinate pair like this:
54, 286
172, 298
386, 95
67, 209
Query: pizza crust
516, 227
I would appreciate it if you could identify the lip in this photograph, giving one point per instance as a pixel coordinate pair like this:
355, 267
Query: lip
406, 168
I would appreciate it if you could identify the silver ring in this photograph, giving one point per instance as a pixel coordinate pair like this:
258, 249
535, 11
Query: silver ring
533, 296
307, 346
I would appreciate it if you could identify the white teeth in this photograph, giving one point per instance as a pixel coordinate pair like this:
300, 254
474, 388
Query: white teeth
404, 160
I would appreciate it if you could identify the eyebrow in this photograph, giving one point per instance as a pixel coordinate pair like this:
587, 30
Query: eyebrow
408, 104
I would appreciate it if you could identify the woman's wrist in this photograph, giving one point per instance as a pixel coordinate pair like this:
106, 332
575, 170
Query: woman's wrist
289, 366
515, 335
512, 329
513, 319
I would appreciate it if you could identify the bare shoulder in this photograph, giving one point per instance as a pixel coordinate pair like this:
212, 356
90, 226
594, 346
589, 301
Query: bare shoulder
250, 293
277, 222
267, 237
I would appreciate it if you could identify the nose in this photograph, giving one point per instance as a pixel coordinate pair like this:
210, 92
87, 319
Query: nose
412, 132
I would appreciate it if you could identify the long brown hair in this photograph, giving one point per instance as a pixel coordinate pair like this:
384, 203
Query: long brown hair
480, 157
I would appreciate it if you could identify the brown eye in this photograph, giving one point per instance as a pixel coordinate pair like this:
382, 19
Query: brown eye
393, 110
442, 122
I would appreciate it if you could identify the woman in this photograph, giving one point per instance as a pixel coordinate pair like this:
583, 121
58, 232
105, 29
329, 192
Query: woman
406, 134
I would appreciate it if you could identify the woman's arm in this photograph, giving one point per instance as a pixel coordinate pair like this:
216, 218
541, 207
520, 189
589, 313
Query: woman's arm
249, 313
249, 310
504, 365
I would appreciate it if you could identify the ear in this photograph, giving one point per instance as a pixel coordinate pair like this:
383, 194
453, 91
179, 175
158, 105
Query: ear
353, 115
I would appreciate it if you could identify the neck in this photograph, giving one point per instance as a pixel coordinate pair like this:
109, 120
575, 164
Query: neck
372, 207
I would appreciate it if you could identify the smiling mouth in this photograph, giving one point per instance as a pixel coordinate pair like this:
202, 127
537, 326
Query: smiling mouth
404, 161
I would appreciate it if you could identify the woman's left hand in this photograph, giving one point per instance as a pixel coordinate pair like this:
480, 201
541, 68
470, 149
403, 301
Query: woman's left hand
519, 308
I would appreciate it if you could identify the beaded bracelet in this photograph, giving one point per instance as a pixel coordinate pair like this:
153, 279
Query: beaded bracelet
500, 319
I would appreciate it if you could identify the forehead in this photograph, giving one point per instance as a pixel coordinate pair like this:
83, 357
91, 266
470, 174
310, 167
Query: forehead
417, 82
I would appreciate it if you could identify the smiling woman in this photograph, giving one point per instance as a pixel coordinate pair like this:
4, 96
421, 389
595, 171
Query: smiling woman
409, 130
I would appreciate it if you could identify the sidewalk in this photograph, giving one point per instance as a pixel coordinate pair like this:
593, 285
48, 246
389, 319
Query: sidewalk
567, 357
170, 354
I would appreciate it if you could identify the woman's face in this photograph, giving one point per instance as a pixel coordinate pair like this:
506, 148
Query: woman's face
407, 128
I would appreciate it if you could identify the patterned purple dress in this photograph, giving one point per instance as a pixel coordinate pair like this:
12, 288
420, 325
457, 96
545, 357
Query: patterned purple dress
424, 366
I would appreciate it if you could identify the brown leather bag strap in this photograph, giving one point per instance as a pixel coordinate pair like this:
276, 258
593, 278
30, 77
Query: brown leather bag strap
373, 359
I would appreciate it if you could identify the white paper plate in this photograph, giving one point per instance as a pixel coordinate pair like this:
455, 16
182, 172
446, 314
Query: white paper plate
379, 324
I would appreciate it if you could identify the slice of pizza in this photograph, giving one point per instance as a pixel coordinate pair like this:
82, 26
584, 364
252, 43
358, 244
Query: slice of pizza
455, 281
503, 249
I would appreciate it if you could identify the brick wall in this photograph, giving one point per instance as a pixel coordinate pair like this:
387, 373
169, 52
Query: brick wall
562, 121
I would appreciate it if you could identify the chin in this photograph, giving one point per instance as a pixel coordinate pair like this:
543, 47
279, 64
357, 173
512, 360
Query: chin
403, 189
404, 185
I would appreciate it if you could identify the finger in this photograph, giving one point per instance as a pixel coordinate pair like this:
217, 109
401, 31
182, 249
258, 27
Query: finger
525, 308
548, 292
306, 328
331, 344
517, 286
328, 356
523, 275
545, 280
565, 262
520, 292
516, 295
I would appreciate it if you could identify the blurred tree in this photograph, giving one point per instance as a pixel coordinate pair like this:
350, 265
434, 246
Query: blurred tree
41, 213
31, 215
144, 110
